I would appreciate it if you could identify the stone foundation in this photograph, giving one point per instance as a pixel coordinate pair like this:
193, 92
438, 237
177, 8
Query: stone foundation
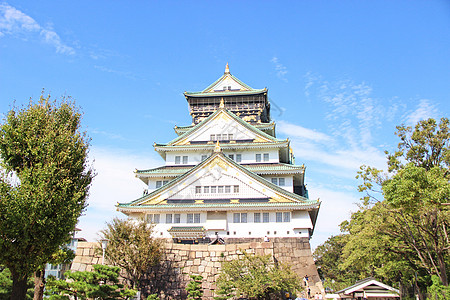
171, 277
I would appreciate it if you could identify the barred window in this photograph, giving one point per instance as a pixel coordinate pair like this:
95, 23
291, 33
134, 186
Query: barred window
176, 218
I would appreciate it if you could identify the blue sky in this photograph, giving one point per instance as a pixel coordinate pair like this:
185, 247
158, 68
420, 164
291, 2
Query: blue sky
341, 75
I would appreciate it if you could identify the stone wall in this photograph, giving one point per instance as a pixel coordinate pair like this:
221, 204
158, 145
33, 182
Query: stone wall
171, 277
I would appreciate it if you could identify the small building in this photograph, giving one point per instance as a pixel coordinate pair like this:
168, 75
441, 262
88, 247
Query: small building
368, 288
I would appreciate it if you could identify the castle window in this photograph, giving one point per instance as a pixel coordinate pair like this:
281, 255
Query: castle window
204, 157
220, 189
190, 218
240, 218
152, 218
196, 218
286, 217
177, 160
230, 136
198, 189
236, 218
185, 160
278, 181
227, 189
258, 157
206, 189
266, 156
213, 189
265, 217
279, 217
176, 218
158, 184
243, 217
236, 189
231, 156
212, 137
238, 157
257, 217
168, 218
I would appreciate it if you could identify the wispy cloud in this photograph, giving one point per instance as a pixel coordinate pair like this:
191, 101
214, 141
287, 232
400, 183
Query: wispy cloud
116, 72
298, 131
115, 182
109, 135
16, 23
424, 110
280, 68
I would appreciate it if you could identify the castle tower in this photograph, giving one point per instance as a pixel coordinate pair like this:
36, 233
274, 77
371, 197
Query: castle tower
226, 175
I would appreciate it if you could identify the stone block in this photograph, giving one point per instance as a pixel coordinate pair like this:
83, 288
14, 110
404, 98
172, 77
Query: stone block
230, 247
75, 266
198, 254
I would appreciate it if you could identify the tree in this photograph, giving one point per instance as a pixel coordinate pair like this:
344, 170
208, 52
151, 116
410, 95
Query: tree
132, 247
256, 277
43, 185
328, 258
102, 283
194, 287
6, 285
64, 255
411, 220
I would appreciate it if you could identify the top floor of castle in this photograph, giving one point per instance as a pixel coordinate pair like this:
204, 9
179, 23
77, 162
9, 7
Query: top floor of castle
251, 105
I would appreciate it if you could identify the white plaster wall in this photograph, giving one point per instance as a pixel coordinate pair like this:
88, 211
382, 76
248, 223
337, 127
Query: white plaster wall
249, 230
248, 157
223, 125
288, 181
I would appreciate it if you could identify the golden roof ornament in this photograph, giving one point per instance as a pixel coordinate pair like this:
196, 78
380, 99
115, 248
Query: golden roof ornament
222, 103
217, 147
227, 69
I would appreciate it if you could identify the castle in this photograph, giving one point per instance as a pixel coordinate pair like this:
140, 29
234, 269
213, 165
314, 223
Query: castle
226, 178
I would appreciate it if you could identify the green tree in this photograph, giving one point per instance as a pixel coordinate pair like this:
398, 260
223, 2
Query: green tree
6, 285
255, 277
328, 258
194, 287
102, 283
132, 248
407, 229
64, 255
44, 183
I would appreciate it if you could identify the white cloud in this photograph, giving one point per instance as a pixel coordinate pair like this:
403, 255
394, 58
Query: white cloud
336, 207
280, 68
293, 130
16, 23
425, 109
115, 182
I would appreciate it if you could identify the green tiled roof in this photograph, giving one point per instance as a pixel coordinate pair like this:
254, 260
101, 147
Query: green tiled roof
224, 93
302, 200
304, 204
236, 118
277, 144
186, 228
251, 167
261, 126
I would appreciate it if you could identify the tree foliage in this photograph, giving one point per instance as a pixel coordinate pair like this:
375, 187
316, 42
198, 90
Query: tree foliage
6, 285
44, 183
102, 283
405, 231
328, 258
194, 287
255, 277
132, 248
